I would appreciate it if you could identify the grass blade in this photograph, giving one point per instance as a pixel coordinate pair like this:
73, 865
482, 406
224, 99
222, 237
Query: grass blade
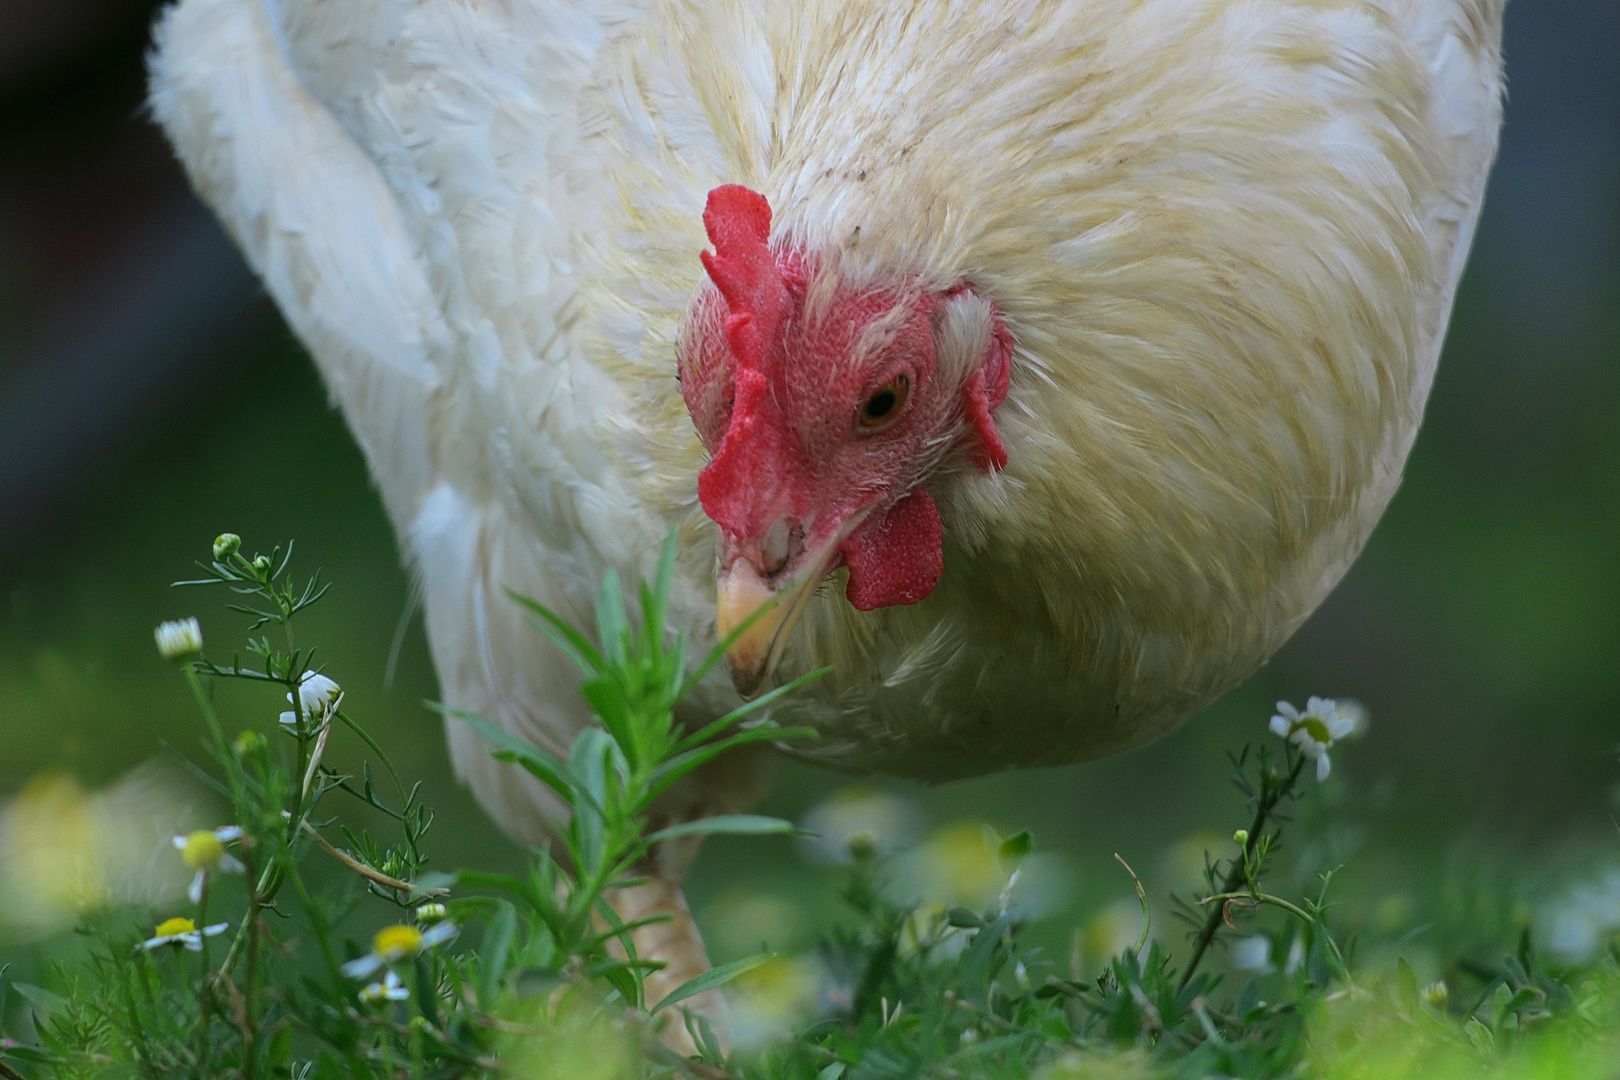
726, 824
716, 976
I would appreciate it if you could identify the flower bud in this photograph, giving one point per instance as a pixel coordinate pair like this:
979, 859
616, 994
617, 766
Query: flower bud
1437, 994
249, 742
1241, 837
226, 545
261, 563
179, 639
431, 913
316, 693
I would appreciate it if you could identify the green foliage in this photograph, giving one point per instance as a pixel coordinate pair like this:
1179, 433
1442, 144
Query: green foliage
535, 974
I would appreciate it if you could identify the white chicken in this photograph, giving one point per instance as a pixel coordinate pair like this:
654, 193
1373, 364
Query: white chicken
1077, 344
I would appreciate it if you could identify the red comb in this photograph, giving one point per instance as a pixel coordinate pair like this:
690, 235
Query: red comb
738, 222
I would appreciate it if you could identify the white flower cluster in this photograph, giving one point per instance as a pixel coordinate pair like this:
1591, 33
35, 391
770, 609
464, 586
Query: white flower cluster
1317, 727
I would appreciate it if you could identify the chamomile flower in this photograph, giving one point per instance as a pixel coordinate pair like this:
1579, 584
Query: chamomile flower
390, 989
184, 932
1313, 729
395, 943
180, 639
204, 851
316, 696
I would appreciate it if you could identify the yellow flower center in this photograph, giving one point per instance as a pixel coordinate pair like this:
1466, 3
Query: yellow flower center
396, 942
171, 927
203, 850
1317, 730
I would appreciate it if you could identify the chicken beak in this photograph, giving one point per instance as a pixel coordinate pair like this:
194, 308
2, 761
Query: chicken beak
741, 595
762, 618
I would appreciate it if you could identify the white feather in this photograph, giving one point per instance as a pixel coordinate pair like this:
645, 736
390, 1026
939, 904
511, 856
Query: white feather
1226, 234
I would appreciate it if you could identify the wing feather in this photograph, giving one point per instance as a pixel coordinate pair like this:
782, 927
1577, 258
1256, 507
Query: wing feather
317, 223
1461, 40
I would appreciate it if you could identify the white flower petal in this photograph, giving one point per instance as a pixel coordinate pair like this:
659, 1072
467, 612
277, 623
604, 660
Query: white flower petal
178, 639
289, 719
1251, 953
1323, 766
1353, 714
1296, 956
215, 929
1289, 711
437, 933
316, 692
180, 843
389, 989
363, 966
192, 941
227, 833
195, 890
230, 864
1280, 726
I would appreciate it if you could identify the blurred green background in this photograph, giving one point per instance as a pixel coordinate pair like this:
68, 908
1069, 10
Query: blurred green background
149, 398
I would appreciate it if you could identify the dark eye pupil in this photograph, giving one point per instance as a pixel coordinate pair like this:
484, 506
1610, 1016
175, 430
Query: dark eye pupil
880, 405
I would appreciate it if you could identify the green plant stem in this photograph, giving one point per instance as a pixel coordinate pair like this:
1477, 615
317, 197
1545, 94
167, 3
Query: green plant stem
263, 890
317, 922
214, 729
250, 1020
1278, 902
1261, 898
125, 976
203, 989
1270, 796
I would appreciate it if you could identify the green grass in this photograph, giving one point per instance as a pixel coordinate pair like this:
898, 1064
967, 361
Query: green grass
939, 963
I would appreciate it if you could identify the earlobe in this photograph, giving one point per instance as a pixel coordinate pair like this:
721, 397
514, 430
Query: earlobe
986, 389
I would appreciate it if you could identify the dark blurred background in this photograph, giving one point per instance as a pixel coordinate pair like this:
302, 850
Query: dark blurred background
150, 397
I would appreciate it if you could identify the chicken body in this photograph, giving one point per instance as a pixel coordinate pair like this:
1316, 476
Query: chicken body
1224, 237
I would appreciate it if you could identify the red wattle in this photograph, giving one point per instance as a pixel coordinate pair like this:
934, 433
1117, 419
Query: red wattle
895, 558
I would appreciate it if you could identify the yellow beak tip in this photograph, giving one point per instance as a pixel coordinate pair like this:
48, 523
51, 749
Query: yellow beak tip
741, 592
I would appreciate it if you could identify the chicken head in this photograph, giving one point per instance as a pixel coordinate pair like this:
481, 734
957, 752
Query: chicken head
826, 405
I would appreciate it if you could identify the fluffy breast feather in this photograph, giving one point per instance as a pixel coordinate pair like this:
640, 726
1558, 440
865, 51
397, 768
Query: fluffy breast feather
1226, 236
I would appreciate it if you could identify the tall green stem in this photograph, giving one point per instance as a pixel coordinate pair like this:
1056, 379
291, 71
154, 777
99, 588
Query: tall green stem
1271, 794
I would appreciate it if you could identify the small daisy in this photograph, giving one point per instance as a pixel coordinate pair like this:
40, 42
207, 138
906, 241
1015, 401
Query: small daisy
390, 989
204, 851
179, 639
395, 943
316, 695
182, 932
1313, 730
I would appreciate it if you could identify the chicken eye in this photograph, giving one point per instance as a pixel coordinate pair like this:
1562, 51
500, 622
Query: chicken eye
885, 404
